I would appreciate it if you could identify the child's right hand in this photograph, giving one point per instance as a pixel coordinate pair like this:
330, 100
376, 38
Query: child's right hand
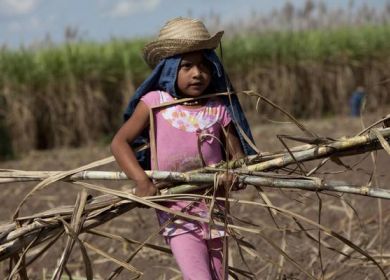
145, 188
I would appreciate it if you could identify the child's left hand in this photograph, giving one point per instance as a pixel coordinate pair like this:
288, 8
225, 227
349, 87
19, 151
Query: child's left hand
230, 181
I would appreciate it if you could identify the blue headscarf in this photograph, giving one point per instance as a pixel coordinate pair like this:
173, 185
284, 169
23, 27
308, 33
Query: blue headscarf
163, 77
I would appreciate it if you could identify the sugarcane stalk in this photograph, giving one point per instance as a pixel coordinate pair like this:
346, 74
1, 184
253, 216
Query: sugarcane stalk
94, 219
309, 185
45, 219
12, 243
349, 146
207, 179
320, 151
100, 213
13, 247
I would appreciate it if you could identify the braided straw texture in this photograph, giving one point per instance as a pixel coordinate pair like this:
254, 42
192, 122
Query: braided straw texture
178, 36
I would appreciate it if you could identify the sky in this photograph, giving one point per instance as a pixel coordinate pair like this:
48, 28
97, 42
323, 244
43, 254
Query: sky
26, 22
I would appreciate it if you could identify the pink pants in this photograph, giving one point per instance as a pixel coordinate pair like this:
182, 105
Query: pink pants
197, 258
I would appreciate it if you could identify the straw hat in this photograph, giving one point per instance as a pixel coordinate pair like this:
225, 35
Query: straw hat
180, 35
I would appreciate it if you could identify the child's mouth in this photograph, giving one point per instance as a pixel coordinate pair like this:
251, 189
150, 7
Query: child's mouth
196, 85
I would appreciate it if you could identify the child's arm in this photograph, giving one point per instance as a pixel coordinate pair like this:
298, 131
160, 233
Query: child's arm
124, 154
232, 143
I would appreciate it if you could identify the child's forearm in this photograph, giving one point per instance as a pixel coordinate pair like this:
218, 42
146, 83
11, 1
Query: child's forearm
125, 155
233, 143
126, 159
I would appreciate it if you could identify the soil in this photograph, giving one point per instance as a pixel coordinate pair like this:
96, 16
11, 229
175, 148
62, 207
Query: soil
362, 220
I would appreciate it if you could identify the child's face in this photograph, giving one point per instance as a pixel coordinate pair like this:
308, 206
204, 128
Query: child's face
194, 74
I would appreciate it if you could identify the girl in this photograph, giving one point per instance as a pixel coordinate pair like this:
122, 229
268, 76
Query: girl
185, 135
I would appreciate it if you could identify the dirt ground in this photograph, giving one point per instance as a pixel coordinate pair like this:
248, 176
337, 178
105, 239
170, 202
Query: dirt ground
362, 220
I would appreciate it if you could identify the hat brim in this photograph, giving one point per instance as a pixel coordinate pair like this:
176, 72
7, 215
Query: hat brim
160, 49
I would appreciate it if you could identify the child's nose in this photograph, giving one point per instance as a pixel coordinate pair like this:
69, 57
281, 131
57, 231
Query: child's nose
196, 71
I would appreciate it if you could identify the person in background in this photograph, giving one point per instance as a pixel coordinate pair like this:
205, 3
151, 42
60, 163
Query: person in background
184, 136
356, 101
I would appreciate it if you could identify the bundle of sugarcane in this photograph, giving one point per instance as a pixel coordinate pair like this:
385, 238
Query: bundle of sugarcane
43, 229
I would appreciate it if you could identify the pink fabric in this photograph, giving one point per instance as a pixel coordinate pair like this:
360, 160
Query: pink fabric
178, 130
197, 258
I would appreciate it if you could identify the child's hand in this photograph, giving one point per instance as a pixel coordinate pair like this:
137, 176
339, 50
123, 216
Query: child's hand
145, 188
230, 180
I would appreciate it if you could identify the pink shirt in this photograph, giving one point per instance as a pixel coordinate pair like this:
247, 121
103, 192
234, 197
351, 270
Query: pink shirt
180, 129
181, 133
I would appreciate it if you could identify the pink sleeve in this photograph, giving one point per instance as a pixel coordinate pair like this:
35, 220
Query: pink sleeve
151, 99
225, 117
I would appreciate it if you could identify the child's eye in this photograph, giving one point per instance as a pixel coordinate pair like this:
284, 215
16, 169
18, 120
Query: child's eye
185, 65
204, 66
